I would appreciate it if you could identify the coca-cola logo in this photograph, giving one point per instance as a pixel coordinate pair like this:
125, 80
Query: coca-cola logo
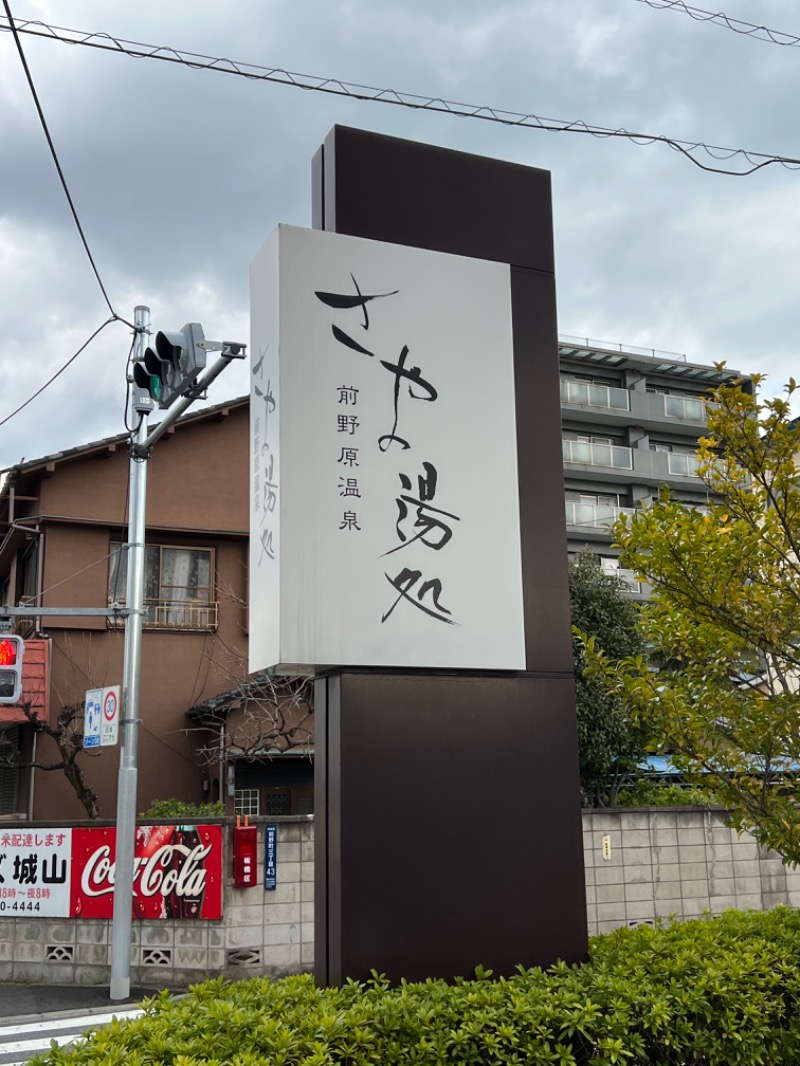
156, 874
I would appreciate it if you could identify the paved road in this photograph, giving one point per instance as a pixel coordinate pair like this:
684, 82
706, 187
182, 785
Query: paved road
22, 1040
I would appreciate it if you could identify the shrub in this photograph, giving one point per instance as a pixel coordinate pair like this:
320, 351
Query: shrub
174, 808
718, 991
659, 794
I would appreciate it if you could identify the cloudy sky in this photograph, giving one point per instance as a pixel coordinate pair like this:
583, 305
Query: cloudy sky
179, 175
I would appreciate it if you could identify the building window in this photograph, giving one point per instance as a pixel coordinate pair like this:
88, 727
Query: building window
277, 802
245, 801
30, 570
178, 586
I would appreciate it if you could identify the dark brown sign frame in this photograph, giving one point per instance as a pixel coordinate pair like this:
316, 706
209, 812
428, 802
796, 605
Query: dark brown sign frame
448, 823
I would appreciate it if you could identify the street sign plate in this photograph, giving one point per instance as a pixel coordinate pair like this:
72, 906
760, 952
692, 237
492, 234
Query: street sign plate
91, 718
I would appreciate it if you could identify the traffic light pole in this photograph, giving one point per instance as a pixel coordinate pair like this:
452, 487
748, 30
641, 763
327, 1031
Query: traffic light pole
141, 443
120, 986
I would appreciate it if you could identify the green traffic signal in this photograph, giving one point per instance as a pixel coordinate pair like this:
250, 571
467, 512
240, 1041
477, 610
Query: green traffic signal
147, 381
169, 368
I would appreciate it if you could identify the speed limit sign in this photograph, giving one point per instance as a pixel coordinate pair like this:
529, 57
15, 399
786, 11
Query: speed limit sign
109, 719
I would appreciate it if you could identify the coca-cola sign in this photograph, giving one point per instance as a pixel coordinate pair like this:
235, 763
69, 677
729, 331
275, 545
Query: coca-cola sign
177, 872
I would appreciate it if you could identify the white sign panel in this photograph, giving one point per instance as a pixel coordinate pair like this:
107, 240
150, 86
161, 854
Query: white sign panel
92, 716
109, 723
35, 873
384, 502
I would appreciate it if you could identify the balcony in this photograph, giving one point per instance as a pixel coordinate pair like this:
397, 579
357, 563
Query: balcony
627, 578
682, 465
685, 408
607, 455
584, 394
596, 515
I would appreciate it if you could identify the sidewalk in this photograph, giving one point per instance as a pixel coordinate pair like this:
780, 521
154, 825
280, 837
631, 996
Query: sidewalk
30, 1002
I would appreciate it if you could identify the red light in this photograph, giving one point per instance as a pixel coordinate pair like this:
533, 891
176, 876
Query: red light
8, 652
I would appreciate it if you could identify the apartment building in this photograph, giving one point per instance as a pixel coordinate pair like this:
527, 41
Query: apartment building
631, 419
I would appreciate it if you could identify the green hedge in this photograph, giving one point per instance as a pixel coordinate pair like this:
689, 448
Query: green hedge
658, 794
722, 990
174, 808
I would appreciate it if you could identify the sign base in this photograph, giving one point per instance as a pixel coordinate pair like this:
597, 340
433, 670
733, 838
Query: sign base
448, 835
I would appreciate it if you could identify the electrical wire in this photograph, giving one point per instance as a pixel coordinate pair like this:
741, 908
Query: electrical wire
13, 27
128, 361
690, 149
166, 744
78, 573
68, 363
719, 18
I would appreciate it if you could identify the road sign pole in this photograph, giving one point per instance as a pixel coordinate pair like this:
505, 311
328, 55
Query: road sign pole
126, 790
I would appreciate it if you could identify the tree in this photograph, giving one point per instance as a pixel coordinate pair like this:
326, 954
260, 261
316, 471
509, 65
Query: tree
67, 734
258, 719
725, 618
610, 742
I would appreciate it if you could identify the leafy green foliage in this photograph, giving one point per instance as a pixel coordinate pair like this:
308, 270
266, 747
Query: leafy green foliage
174, 808
659, 794
610, 741
725, 619
718, 991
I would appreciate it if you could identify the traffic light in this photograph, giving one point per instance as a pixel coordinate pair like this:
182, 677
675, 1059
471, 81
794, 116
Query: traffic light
170, 367
12, 650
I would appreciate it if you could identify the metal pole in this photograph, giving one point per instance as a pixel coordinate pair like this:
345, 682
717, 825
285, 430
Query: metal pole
126, 790
32, 778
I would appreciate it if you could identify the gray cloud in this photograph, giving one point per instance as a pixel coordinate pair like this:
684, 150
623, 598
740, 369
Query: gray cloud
180, 175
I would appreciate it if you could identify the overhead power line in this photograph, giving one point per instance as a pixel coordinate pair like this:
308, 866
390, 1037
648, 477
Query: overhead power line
14, 28
695, 151
719, 18
58, 373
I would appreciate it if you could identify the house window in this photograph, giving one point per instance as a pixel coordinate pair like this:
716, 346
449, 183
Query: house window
245, 801
178, 586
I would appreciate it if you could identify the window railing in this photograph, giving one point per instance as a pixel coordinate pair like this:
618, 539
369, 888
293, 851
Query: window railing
685, 407
598, 515
615, 346
178, 614
613, 455
589, 395
685, 465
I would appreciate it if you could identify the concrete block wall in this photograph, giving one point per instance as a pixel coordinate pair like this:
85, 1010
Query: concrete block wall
659, 862
260, 933
640, 865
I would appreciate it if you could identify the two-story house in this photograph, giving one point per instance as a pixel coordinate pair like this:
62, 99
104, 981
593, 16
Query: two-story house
63, 521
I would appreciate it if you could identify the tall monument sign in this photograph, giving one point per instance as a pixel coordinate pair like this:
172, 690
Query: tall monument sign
408, 549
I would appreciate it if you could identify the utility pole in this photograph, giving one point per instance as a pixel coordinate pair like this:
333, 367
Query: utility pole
166, 375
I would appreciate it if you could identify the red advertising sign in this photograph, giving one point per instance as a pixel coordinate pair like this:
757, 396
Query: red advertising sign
177, 872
